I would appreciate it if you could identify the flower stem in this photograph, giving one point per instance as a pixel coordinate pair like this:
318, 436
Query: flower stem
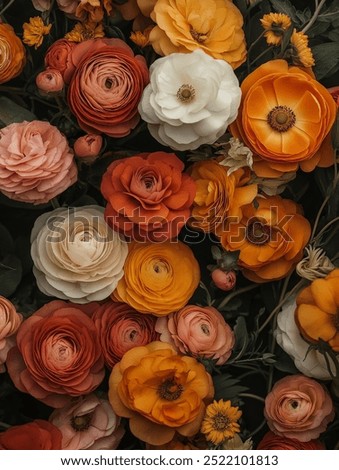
314, 17
236, 293
10, 3
251, 395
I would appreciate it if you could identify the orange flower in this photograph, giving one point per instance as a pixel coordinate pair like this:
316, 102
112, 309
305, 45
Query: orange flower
317, 310
34, 31
284, 117
12, 53
275, 25
92, 10
215, 26
271, 238
301, 53
218, 195
83, 31
159, 278
160, 391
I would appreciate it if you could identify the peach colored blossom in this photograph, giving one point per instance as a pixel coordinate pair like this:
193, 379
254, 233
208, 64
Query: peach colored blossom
88, 146
224, 280
59, 57
199, 331
50, 81
10, 321
36, 162
298, 407
58, 354
68, 6
86, 422
42, 5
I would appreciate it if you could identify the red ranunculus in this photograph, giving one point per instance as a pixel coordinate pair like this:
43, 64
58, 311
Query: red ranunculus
273, 442
38, 435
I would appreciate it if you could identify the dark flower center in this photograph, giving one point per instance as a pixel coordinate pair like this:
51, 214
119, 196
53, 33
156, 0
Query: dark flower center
281, 118
258, 233
81, 423
199, 37
186, 93
220, 422
170, 390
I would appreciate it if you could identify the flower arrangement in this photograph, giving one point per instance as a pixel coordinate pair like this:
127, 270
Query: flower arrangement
169, 223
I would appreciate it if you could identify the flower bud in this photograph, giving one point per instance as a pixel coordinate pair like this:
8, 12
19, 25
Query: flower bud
50, 82
224, 280
88, 147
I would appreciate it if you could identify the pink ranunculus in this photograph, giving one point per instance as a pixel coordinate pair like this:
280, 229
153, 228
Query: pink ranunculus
224, 280
88, 146
122, 328
49, 82
36, 162
58, 354
10, 321
88, 423
298, 407
199, 331
59, 57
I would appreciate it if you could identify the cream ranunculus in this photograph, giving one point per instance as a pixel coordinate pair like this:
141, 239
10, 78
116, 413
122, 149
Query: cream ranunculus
288, 337
191, 99
76, 255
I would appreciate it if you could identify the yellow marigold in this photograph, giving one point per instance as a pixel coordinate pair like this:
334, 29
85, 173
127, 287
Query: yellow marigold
215, 26
140, 38
301, 53
83, 31
91, 10
34, 31
220, 422
275, 25
12, 53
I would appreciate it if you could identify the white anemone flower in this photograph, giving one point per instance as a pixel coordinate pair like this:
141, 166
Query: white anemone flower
190, 100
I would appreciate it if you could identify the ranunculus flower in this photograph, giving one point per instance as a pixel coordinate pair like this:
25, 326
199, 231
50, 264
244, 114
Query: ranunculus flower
106, 86
121, 328
12, 53
298, 408
310, 362
149, 198
214, 26
36, 162
50, 81
224, 280
88, 146
190, 101
317, 313
160, 278
38, 435
160, 392
76, 255
273, 442
58, 354
198, 331
284, 117
59, 57
270, 237
88, 423
219, 195
10, 321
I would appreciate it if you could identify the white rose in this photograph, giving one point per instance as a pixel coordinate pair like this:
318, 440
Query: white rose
288, 337
76, 255
190, 100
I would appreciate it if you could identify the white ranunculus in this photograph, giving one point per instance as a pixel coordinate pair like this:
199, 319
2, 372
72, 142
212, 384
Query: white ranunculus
190, 100
290, 340
76, 255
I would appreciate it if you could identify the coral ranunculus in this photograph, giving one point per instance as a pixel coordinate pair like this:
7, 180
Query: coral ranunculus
159, 278
106, 86
317, 313
160, 392
12, 53
10, 321
271, 238
272, 441
59, 57
298, 408
215, 26
149, 198
284, 118
58, 354
38, 435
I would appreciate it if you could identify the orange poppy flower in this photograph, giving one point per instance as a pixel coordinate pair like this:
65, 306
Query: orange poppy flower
285, 118
160, 392
271, 238
317, 310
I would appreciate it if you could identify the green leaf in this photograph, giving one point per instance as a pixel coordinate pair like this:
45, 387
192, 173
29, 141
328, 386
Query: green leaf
10, 275
299, 18
6, 241
11, 112
284, 363
326, 58
227, 388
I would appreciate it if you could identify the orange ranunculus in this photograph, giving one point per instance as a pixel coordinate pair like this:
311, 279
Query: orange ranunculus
160, 391
12, 53
317, 310
215, 26
285, 118
159, 278
218, 195
149, 198
271, 238
37, 435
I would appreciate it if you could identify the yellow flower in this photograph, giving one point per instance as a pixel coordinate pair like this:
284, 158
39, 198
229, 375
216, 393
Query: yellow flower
83, 31
220, 422
34, 31
301, 53
140, 38
275, 25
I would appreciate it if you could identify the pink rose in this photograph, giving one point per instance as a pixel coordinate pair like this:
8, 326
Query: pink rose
88, 423
298, 407
121, 328
224, 280
36, 163
59, 57
10, 321
58, 354
88, 146
199, 331
50, 81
